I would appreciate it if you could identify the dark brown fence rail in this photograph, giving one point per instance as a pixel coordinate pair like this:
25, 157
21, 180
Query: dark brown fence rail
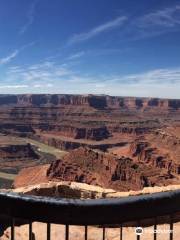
23, 209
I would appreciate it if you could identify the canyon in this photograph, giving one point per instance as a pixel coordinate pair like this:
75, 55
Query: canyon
125, 143
87, 147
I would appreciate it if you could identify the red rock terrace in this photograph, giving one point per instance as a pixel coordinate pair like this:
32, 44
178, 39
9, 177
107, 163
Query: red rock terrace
141, 135
71, 121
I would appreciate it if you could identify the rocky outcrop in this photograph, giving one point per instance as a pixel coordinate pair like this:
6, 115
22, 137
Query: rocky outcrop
63, 189
101, 122
106, 170
94, 167
145, 152
84, 191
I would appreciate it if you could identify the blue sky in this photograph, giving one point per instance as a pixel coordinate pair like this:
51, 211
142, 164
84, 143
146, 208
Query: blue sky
115, 47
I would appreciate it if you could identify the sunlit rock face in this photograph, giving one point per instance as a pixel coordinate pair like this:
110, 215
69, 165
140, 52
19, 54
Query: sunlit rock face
131, 142
67, 120
94, 167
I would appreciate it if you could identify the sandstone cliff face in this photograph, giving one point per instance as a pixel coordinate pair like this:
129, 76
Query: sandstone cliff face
66, 143
106, 170
81, 132
159, 149
88, 117
68, 122
95, 101
129, 130
149, 155
94, 167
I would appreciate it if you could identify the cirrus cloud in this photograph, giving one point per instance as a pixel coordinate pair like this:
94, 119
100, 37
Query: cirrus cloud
98, 30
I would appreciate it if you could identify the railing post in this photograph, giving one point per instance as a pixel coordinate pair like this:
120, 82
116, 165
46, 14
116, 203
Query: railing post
86, 233
155, 229
30, 231
104, 233
12, 228
48, 231
171, 228
67, 232
138, 236
121, 232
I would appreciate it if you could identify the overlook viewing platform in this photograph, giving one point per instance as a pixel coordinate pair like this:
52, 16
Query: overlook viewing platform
137, 211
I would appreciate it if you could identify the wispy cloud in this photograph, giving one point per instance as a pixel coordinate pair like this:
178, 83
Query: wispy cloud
167, 17
14, 54
98, 30
45, 72
50, 77
76, 55
155, 83
155, 23
30, 17
151, 24
163, 76
157, 76
13, 86
50, 72
46, 75
9, 57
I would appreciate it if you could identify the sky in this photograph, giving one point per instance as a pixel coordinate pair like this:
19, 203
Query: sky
114, 47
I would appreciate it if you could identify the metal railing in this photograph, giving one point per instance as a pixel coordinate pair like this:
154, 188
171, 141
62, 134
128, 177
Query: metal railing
143, 210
